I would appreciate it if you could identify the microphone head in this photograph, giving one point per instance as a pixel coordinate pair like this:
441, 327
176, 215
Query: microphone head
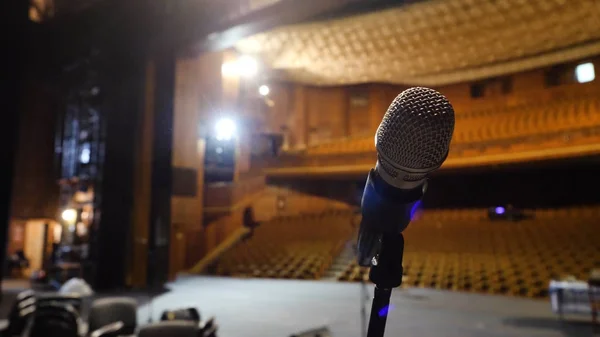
414, 136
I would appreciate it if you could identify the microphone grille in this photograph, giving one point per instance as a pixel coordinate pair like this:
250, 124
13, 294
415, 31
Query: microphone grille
416, 130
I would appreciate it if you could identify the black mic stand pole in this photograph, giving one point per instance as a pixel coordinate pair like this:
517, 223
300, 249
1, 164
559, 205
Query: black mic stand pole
386, 274
386, 212
364, 293
364, 297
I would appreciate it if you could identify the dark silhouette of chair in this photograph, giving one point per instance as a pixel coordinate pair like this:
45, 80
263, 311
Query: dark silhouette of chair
17, 262
169, 329
55, 319
21, 313
106, 311
187, 314
205, 328
75, 300
594, 293
110, 330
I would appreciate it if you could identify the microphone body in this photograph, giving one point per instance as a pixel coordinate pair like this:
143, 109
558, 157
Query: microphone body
385, 210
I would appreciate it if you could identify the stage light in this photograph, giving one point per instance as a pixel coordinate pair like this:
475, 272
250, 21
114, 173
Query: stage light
229, 69
69, 215
264, 90
85, 155
247, 66
585, 72
244, 66
225, 129
500, 210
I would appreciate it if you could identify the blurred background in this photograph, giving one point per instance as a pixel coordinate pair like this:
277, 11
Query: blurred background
213, 153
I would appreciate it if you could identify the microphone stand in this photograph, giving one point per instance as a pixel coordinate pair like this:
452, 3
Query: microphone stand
364, 297
386, 212
386, 273
364, 293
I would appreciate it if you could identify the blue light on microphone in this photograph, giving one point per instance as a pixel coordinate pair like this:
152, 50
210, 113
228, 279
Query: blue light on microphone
385, 310
414, 209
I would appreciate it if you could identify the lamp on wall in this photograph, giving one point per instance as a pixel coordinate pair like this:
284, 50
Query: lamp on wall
264, 90
69, 215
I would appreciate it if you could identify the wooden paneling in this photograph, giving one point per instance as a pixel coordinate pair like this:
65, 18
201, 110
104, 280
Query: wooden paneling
281, 113
298, 124
209, 92
142, 184
193, 97
185, 181
34, 244
225, 196
326, 111
320, 115
285, 201
35, 192
16, 236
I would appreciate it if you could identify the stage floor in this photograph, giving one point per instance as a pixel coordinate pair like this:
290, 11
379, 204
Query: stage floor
279, 308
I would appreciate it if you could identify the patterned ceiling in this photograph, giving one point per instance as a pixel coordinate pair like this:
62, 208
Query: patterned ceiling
432, 43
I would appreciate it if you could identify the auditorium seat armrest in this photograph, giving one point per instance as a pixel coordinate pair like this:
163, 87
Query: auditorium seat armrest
108, 329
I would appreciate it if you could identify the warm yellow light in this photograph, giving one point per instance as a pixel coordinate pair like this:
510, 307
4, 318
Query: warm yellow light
244, 66
81, 229
229, 69
247, 66
69, 215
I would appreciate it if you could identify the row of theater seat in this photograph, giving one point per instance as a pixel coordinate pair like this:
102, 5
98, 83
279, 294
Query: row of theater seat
445, 249
301, 247
501, 257
560, 120
529, 120
60, 315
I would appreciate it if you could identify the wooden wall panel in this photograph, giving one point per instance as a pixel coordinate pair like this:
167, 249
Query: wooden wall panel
142, 184
298, 124
327, 111
286, 201
186, 211
280, 115
322, 114
35, 188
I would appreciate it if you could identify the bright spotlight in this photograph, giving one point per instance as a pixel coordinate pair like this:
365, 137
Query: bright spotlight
247, 66
585, 72
69, 215
264, 90
229, 69
225, 129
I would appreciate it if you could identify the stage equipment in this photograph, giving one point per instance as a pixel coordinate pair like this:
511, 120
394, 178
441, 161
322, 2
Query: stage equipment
320, 332
206, 328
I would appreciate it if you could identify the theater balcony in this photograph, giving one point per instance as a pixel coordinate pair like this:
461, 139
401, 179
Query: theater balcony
556, 123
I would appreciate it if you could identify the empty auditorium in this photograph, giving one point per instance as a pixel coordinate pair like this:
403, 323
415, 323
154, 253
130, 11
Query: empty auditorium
285, 168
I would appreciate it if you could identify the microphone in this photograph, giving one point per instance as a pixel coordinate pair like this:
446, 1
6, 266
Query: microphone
412, 141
